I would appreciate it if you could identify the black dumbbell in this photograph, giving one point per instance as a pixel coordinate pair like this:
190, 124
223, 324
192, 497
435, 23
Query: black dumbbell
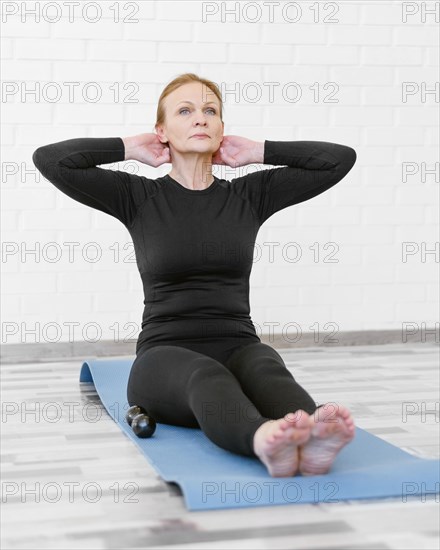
141, 424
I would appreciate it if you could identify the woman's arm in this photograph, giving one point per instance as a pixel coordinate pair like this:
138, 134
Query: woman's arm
71, 166
312, 167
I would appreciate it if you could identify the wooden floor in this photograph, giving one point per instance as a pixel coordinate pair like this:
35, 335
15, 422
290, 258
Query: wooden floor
72, 479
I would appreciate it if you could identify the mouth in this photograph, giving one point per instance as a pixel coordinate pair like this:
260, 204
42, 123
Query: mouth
200, 136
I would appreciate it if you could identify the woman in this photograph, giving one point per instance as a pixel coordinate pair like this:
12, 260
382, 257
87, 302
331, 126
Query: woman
199, 362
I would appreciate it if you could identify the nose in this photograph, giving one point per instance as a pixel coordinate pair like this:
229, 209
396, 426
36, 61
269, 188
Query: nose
200, 118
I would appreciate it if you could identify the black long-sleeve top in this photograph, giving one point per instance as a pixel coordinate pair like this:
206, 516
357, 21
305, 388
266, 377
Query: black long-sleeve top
194, 248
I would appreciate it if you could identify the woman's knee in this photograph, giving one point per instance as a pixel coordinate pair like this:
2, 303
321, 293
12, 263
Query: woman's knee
256, 356
207, 376
154, 384
143, 374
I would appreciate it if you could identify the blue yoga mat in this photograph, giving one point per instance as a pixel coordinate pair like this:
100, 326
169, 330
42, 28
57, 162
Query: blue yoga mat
211, 477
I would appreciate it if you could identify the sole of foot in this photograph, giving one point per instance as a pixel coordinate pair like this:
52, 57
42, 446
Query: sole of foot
332, 427
276, 443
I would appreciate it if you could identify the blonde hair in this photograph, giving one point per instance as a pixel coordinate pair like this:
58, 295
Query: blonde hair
180, 80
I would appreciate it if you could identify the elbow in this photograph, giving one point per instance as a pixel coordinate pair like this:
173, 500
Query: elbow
38, 158
44, 163
349, 160
343, 158
352, 155
35, 157
346, 163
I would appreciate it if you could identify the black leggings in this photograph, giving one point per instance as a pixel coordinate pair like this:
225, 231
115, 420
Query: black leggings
228, 401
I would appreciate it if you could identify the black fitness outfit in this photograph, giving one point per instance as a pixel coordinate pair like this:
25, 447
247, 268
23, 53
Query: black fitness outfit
199, 361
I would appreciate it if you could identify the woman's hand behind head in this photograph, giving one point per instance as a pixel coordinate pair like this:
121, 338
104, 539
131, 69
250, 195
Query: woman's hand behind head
235, 151
147, 148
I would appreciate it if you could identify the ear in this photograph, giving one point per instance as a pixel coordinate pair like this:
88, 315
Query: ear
161, 134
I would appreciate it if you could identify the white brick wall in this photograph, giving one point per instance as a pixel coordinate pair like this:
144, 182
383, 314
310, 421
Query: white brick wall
365, 48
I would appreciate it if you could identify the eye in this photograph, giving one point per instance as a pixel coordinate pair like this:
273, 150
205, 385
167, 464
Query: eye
208, 109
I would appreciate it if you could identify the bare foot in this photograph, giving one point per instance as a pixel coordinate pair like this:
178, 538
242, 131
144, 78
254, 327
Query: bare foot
276, 443
332, 427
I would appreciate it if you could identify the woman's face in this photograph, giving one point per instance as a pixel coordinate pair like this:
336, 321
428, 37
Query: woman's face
192, 109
